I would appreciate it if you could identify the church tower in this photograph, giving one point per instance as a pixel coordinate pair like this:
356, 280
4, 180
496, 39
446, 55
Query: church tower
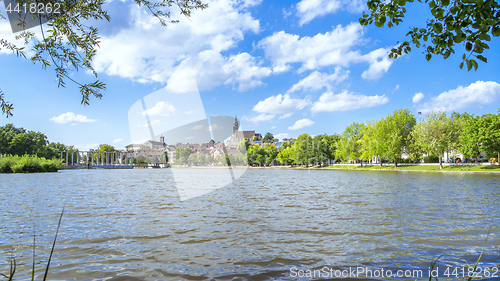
236, 124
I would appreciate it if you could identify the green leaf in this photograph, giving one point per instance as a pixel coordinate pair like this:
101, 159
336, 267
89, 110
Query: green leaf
468, 46
469, 65
459, 38
437, 27
495, 31
482, 58
461, 65
474, 63
428, 57
478, 49
484, 36
379, 22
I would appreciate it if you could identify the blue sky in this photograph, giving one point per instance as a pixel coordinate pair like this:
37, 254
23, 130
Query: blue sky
283, 67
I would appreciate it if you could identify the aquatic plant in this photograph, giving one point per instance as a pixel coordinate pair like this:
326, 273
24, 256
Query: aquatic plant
433, 264
13, 265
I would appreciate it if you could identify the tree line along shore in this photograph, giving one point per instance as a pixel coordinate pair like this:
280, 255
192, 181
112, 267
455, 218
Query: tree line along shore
396, 138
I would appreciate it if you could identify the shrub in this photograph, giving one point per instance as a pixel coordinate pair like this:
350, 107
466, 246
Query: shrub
28, 164
32, 164
431, 159
5, 163
17, 167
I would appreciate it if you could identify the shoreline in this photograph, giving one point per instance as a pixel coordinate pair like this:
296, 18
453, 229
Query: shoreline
370, 168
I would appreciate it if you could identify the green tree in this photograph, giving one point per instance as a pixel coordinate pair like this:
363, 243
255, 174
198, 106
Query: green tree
349, 144
322, 149
32, 143
7, 133
209, 159
191, 159
303, 148
256, 155
270, 151
268, 138
141, 159
467, 22
437, 134
182, 155
243, 146
18, 141
372, 140
396, 133
200, 159
481, 134
70, 42
105, 148
287, 154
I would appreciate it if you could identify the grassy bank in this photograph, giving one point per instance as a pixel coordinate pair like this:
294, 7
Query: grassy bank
435, 168
28, 164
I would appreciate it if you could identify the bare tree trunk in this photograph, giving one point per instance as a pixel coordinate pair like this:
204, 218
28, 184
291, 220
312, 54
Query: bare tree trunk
380, 162
361, 160
395, 163
440, 163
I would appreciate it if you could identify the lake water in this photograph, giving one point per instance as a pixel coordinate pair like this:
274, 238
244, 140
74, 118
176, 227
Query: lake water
131, 225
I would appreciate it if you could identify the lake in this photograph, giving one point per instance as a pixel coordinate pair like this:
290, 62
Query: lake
270, 224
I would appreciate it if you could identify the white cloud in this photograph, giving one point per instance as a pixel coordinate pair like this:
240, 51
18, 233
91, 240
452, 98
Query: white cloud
379, 64
282, 136
117, 140
215, 127
346, 101
334, 48
281, 104
396, 88
155, 122
87, 147
331, 48
161, 108
259, 118
71, 118
211, 69
417, 97
474, 95
145, 51
286, 115
310, 9
198, 127
317, 80
302, 123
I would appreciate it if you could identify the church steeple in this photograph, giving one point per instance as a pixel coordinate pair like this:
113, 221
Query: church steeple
236, 124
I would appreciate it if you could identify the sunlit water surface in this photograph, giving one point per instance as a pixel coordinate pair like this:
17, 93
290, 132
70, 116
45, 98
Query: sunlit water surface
131, 225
